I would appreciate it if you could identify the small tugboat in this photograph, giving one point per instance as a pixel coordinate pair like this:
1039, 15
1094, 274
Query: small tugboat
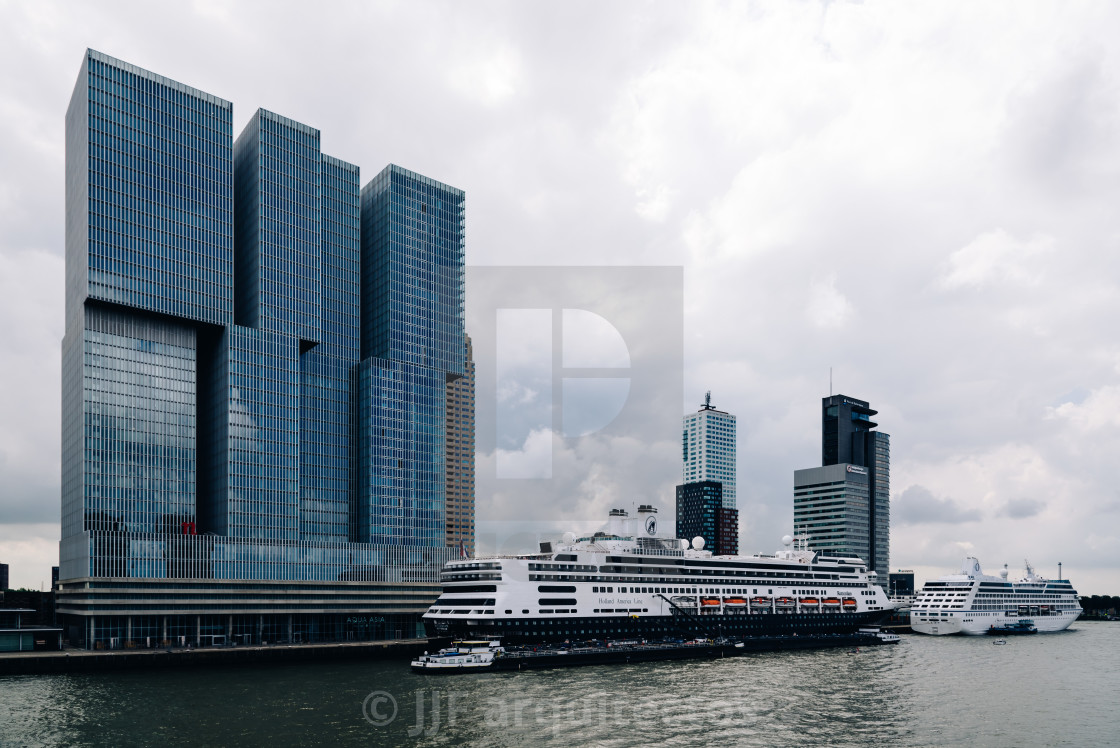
1022, 626
461, 656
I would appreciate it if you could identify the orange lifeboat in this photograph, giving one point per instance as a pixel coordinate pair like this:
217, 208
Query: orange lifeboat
849, 602
810, 602
734, 602
832, 602
709, 602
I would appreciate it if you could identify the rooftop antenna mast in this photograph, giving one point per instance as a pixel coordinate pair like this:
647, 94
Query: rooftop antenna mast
708, 401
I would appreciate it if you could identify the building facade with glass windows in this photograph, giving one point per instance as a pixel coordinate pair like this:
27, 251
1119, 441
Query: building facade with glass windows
254, 375
701, 513
831, 508
460, 460
846, 508
849, 436
708, 449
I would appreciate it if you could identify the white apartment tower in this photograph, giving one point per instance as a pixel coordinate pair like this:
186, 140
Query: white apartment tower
709, 449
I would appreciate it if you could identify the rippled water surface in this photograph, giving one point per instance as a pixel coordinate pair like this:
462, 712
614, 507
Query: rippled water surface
1052, 690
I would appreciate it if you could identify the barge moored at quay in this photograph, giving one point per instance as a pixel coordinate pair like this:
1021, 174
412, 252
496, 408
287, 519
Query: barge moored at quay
483, 656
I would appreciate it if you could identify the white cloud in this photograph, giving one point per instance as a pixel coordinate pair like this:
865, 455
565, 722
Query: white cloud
827, 309
996, 256
487, 75
1100, 411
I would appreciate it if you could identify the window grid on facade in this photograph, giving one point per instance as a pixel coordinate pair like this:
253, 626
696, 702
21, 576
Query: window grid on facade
289, 426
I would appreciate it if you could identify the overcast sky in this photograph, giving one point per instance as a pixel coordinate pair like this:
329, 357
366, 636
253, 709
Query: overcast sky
923, 197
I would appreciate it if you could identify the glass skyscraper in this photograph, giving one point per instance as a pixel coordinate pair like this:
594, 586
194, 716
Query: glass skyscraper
254, 374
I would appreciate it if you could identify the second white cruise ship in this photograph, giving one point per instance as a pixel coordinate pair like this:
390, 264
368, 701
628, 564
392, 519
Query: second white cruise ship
629, 582
972, 602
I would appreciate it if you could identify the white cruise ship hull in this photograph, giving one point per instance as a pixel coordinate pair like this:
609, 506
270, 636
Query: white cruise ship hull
978, 625
972, 603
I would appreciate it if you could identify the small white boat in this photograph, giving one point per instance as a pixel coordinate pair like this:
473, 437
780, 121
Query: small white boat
463, 655
1000, 641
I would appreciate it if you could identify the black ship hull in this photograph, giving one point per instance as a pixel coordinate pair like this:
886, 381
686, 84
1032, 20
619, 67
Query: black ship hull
581, 628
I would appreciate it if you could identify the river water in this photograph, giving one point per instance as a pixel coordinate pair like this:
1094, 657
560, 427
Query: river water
1044, 690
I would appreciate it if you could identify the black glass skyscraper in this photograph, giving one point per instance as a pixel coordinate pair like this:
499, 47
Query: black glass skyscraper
254, 374
700, 512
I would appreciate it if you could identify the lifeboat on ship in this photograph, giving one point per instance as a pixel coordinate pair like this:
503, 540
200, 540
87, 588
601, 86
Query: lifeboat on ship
831, 602
709, 602
850, 603
785, 602
760, 602
810, 602
734, 602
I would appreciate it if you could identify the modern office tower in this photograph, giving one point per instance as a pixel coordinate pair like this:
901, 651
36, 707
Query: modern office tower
460, 460
848, 437
254, 375
708, 449
701, 512
830, 508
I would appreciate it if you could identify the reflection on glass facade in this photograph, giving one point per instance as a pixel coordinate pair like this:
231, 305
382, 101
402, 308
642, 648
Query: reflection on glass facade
259, 401
325, 388
401, 487
250, 396
412, 279
139, 426
277, 167
160, 193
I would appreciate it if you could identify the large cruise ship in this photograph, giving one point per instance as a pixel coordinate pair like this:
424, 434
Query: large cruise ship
972, 602
629, 582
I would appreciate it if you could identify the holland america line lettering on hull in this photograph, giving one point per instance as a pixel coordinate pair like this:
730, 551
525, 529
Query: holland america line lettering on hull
972, 602
629, 582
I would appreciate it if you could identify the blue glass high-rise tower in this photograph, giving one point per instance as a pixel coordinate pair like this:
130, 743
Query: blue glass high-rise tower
254, 372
